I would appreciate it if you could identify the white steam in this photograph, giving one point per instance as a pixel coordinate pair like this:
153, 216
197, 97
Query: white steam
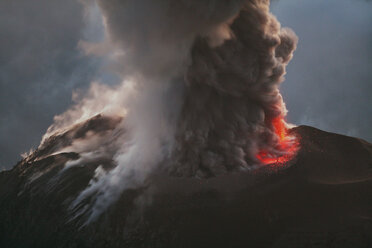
149, 43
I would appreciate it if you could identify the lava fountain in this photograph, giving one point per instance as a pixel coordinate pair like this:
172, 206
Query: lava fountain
287, 144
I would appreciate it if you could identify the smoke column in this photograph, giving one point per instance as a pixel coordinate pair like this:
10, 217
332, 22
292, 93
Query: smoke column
233, 113
199, 94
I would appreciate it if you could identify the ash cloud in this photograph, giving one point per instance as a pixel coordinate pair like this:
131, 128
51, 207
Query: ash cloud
199, 92
232, 97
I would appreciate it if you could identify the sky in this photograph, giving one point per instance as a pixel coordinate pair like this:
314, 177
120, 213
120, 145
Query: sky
328, 83
329, 80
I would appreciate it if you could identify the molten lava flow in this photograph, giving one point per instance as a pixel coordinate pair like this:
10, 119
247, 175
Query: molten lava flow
287, 146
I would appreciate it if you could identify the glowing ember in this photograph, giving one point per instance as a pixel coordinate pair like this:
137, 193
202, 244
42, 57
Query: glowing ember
287, 146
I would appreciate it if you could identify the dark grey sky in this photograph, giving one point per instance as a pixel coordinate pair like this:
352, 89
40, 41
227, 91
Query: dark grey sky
40, 65
329, 81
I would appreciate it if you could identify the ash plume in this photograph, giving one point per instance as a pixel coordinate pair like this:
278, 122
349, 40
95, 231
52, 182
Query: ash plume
199, 94
232, 98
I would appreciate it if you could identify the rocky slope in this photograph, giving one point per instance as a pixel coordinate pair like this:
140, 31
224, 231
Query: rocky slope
323, 198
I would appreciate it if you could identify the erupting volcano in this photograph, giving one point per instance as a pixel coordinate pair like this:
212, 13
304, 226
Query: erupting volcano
199, 96
205, 101
176, 154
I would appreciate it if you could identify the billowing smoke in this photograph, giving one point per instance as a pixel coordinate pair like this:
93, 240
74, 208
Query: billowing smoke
233, 109
199, 93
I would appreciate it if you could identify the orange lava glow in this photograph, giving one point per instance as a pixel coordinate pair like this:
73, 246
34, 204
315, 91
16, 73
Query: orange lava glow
287, 146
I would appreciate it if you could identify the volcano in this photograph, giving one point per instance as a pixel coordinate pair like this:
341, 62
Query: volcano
322, 197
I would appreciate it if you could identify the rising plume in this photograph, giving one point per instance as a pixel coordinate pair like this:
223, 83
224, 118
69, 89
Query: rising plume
199, 95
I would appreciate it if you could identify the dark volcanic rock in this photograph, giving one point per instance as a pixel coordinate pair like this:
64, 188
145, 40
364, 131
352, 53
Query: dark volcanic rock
323, 199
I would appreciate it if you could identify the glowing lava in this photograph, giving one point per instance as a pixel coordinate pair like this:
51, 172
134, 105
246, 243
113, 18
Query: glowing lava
286, 149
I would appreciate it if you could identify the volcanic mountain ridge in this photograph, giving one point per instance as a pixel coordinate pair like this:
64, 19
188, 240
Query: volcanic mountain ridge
322, 198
